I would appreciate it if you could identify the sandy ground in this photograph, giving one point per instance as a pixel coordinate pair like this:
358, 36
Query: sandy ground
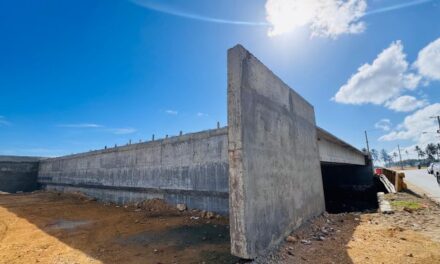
58, 228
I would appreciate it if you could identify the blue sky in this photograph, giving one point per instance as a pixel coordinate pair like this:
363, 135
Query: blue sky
79, 75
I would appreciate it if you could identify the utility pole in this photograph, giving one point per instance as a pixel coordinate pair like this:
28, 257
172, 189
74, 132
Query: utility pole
438, 120
400, 157
366, 139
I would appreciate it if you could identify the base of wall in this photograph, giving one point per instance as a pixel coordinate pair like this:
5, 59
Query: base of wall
214, 202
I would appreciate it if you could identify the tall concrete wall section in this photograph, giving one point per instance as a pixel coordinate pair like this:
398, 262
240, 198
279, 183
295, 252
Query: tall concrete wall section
18, 174
190, 169
275, 176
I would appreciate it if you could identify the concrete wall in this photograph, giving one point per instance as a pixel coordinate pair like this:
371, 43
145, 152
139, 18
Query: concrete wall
275, 175
334, 150
18, 174
190, 169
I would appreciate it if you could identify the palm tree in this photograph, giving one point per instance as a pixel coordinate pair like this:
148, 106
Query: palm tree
385, 156
422, 154
417, 149
438, 151
374, 154
431, 150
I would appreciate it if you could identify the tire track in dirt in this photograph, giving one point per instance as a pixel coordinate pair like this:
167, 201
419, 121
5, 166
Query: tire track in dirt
3, 230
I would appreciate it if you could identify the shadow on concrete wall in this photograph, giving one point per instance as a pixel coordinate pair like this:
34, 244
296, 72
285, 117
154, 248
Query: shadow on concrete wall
59, 228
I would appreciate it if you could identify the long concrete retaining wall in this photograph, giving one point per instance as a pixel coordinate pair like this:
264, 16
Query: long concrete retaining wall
274, 167
18, 174
190, 169
264, 169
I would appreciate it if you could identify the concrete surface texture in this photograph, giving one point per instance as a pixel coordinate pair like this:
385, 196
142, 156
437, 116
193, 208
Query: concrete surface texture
190, 169
334, 150
18, 174
274, 167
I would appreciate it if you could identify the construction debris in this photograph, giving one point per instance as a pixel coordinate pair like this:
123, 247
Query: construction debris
384, 205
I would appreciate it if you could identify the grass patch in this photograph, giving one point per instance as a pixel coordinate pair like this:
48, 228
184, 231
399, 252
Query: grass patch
408, 204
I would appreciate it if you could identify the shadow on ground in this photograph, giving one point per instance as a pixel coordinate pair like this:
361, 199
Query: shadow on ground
57, 228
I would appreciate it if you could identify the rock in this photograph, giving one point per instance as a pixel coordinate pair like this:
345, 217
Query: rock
181, 207
209, 215
409, 210
306, 242
291, 239
321, 238
410, 255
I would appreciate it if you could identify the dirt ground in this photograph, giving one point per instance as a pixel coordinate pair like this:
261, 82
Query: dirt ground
47, 227
57, 228
410, 235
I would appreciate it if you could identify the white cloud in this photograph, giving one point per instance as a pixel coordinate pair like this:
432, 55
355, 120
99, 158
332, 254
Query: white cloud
418, 127
200, 114
384, 124
380, 81
326, 18
122, 131
4, 121
171, 112
428, 61
116, 131
81, 125
406, 103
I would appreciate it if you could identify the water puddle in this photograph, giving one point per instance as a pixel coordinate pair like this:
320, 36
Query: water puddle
68, 224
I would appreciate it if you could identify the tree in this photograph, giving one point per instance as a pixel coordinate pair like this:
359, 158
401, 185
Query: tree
431, 151
385, 157
422, 154
417, 149
374, 154
438, 151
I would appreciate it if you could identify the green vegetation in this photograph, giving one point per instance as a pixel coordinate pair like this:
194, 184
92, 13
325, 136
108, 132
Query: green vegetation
408, 204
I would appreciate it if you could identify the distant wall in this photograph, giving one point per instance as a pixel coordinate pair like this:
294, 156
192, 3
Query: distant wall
190, 169
334, 150
18, 174
274, 167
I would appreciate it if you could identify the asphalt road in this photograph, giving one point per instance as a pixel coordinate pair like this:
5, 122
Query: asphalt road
424, 181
